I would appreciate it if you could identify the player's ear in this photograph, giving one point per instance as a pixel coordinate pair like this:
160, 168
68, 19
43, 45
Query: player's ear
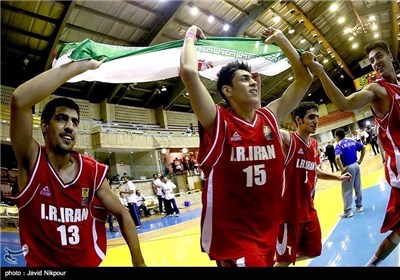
227, 90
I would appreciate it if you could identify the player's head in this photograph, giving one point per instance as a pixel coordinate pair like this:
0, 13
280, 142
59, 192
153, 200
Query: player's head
50, 108
381, 58
379, 44
306, 112
226, 75
60, 123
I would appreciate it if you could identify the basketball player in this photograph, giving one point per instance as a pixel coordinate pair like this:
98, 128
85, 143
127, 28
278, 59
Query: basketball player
241, 155
63, 196
300, 233
383, 96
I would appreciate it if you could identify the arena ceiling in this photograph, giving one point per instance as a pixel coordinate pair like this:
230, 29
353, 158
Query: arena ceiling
32, 31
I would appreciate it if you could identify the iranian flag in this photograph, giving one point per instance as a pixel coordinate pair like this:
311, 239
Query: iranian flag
159, 62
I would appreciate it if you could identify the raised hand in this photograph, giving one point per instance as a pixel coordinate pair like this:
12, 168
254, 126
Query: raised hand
196, 31
271, 35
91, 64
310, 60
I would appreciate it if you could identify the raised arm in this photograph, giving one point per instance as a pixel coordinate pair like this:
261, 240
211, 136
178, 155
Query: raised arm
24, 98
202, 103
371, 94
125, 221
302, 76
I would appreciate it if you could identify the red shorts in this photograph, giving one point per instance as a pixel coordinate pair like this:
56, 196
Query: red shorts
266, 260
295, 240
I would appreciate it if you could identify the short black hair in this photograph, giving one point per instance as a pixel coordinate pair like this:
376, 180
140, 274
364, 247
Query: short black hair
340, 133
50, 108
376, 44
225, 75
301, 109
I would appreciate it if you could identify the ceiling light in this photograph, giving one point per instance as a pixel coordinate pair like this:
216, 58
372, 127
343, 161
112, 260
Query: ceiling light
276, 19
163, 88
302, 40
226, 27
194, 11
347, 30
210, 18
291, 30
333, 7
325, 61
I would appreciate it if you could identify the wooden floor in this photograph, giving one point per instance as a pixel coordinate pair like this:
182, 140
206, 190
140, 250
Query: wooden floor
179, 245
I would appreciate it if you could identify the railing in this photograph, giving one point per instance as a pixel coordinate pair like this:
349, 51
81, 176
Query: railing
334, 117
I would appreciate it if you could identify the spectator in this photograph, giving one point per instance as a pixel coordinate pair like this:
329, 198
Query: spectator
141, 205
346, 157
157, 188
171, 208
330, 154
110, 218
177, 167
165, 166
128, 188
373, 140
115, 179
190, 130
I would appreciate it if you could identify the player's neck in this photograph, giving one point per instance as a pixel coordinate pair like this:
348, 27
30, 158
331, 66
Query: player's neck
303, 135
60, 162
392, 78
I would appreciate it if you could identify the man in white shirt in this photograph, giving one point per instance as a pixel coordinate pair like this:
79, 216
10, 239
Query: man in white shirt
168, 187
157, 187
128, 189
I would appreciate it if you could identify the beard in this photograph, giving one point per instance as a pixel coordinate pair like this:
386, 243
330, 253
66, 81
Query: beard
62, 150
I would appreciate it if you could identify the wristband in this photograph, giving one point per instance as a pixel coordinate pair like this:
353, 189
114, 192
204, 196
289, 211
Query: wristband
191, 35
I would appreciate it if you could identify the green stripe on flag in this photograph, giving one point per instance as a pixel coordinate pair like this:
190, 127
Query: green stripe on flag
227, 46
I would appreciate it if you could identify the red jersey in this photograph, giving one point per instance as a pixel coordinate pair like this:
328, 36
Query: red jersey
389, 135
301, 162
242, 164
59, 221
